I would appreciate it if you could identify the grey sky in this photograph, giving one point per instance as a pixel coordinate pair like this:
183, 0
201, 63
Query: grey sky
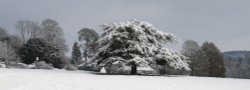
224, 22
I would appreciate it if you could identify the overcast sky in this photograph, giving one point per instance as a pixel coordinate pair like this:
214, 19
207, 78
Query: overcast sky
224, 22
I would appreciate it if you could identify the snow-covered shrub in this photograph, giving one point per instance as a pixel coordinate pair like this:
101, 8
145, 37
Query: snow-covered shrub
42, 65
117, 67
88, 67
103, 70
135, 44
147, 71
71, 67
164, 70
2, 65
19, 65
32, 66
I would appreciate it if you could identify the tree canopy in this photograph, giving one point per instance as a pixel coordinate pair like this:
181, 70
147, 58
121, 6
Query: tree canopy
137, 43
37, 47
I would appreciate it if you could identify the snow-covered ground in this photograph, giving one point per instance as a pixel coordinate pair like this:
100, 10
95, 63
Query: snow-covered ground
28, 79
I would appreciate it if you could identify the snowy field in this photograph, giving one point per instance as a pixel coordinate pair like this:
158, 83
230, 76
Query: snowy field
28, 79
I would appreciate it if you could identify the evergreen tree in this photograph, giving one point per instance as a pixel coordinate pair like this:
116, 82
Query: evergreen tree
32, 49
135, 44
216, 67
200, 63
197, 64
37, 47
76, 54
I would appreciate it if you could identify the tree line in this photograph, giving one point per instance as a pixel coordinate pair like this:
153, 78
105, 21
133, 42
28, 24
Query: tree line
205, 60
237, 64
44, 41
131, 44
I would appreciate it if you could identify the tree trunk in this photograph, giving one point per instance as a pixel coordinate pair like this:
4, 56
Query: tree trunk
133, 69
192, 70
86, 55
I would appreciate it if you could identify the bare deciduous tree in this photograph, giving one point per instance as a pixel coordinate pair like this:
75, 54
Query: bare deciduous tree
21, 27
28, 29
88, 37
53, 34
190, 49
33, 29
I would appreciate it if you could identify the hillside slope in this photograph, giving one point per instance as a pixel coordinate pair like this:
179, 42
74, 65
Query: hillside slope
236, 54
28, 79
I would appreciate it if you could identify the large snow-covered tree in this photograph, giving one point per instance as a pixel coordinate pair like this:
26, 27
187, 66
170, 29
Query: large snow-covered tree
136, 44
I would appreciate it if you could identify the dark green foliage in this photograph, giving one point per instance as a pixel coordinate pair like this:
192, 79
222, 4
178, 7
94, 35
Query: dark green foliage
199, 64
161, 62
37, 47
204, 61
54, 59
34, 48
76, 54
216, 67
